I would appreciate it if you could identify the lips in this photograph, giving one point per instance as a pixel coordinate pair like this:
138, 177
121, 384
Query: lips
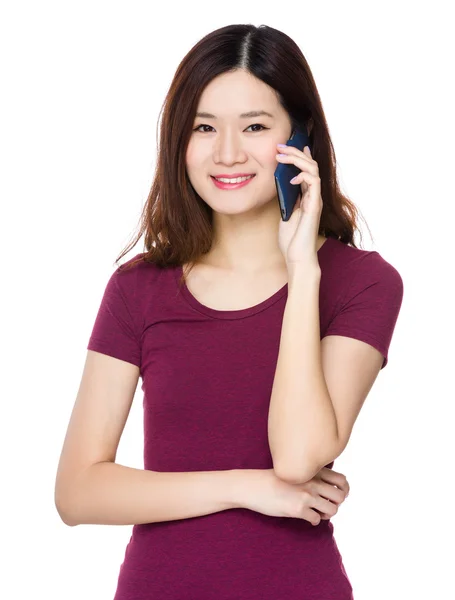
216, 178
232, 186
232, 175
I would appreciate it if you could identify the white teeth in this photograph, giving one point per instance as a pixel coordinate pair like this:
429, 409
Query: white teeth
236, 180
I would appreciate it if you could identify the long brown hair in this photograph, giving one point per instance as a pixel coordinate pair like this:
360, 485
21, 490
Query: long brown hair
176, 222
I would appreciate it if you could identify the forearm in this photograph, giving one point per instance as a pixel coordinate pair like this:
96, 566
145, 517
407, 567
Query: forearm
111, 494
302, 421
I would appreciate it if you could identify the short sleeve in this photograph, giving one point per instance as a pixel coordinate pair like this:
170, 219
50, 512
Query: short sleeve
115, 331
370, 308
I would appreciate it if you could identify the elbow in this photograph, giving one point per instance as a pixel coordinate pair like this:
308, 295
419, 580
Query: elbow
68, 497
295, 475
63, 507
303, 470
65, 514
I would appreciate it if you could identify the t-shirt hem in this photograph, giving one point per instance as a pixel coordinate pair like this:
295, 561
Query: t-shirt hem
363, 337
99, 346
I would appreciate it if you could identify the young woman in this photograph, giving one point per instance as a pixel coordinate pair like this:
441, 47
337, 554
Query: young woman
257, 341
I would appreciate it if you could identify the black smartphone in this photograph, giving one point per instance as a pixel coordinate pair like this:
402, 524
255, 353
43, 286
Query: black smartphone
287, 192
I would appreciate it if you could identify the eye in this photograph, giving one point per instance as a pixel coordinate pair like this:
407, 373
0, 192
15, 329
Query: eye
258, 125
254, 125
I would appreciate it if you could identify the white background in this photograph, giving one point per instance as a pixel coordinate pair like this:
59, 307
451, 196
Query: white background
82, 86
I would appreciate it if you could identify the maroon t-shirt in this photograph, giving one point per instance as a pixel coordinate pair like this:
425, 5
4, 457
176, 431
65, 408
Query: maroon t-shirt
207, 377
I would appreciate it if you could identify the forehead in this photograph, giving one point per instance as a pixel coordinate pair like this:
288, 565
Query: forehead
237, 95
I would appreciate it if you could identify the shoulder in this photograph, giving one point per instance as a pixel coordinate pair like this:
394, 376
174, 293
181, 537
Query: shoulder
144, 283
378, 285
360, 281
363, 267
373, 270
136, 270
364, 293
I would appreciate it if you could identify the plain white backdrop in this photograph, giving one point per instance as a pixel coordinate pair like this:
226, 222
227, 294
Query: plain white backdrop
82, 86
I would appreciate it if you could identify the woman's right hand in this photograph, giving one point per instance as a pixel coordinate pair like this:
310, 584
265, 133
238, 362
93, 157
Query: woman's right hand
314, 500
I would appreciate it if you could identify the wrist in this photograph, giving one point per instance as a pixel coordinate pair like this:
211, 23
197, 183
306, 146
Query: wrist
241, 486
301, 274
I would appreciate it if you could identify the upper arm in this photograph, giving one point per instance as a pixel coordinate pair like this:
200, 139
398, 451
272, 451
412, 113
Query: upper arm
108, 384
350, 368
355, 345
102, 405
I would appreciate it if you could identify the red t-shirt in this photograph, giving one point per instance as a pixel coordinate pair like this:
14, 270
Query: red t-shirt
207, 377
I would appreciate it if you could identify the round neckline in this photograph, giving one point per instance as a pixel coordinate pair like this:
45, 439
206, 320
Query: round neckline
238, 313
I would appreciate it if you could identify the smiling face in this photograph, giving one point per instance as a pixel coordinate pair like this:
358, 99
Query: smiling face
229, 143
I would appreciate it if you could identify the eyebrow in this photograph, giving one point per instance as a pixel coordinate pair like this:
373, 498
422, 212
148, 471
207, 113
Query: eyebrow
247, 115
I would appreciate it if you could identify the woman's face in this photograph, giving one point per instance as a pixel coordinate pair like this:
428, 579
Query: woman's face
229, 143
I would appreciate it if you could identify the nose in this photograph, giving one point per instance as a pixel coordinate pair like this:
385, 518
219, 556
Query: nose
228, 149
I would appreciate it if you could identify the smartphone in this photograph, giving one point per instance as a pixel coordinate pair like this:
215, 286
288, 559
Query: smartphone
287, 192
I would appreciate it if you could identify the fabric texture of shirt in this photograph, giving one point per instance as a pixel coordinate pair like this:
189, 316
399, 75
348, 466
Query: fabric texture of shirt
207, 378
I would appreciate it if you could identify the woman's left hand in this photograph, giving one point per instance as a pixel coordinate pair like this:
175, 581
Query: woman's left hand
298, 237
